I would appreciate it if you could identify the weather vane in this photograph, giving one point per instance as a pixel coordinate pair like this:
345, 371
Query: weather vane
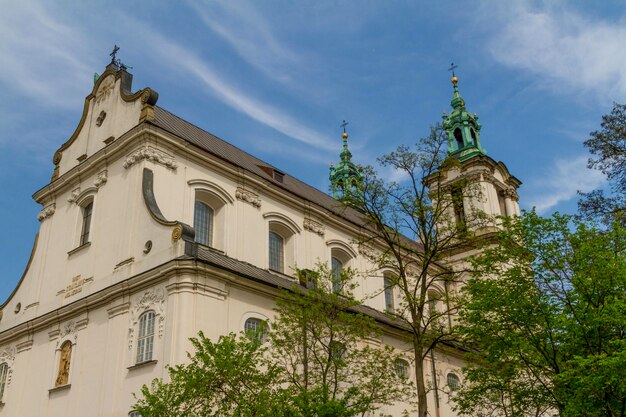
452, 68
344, 124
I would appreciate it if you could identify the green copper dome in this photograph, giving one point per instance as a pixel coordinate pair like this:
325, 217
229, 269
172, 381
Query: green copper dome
345, 177
462, 127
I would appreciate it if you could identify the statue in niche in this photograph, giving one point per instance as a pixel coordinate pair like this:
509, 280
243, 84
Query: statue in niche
63, 376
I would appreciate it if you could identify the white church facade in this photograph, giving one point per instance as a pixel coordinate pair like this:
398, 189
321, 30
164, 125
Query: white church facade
153, 229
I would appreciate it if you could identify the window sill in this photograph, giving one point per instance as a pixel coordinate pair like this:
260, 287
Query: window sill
142, 364
78, 249
59, 388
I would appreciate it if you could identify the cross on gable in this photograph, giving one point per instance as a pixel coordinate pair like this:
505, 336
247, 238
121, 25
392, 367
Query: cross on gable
452, 68
114, 53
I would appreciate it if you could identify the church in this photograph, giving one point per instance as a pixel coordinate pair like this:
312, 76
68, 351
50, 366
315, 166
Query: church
152, 229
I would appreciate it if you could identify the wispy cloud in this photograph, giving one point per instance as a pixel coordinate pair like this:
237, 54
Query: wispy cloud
250, 35
562, 47
562, 182
262, 112
34, 44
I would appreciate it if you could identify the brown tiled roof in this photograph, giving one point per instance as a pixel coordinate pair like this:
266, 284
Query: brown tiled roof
224, 150
276, 280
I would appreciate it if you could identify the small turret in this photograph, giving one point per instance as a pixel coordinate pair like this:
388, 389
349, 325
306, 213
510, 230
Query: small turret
345, 177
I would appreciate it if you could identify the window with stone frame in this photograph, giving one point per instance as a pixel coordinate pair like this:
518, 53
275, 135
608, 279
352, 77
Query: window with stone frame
256, 328
388, 285
87, 211
453, 381
401, 368
4, 373
276, 252
339, 261
145, 337
203, 223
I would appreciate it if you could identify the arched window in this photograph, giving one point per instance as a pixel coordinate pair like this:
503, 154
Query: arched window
341, 256
337, 351
145, 339
458, 206
453, 382
336, 268
388, 283
281, 242
256, 328
203, 223
276, 252
4, 371
65, 360
401, 368
474, 140
458, 136
86, 228
134, 414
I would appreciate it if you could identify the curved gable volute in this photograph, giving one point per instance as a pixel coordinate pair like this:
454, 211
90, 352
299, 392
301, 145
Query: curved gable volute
109, 111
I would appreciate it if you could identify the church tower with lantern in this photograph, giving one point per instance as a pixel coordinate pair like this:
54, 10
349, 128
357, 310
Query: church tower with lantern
495, 189
345, 177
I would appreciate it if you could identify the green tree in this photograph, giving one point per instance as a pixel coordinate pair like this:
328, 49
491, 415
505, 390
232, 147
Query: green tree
230, 377
608, 149
331, 353
546, 315
413, 227
313, 360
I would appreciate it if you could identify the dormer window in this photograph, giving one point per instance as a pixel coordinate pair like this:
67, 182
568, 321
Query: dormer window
279, 176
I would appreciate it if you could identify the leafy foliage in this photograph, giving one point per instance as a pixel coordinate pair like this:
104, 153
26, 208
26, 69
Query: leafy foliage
608, 150
316, 362
546, 312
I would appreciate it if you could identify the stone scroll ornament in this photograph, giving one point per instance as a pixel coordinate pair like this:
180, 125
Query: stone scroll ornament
248, 196
152, 299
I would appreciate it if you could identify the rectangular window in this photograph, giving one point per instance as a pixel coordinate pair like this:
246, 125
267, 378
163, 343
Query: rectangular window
389, 302
145, 339
203, 223
84, 235
459, 209
336, 267
276, 249
4, 370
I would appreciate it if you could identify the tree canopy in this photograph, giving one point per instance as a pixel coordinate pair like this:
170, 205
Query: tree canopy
608, 149
315, 359
546, 314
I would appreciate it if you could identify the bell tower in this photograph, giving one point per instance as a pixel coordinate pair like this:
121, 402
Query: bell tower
478, 186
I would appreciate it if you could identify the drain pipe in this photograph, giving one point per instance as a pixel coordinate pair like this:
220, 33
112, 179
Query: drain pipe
432, 363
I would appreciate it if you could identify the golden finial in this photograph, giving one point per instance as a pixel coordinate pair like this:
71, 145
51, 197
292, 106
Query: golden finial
344, 135
452, 68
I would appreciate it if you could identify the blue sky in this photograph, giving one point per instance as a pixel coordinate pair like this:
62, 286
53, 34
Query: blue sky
276, 78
